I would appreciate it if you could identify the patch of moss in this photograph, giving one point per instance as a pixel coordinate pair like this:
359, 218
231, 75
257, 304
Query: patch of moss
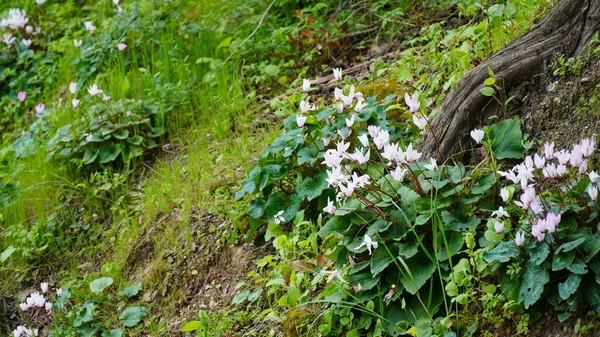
297, 322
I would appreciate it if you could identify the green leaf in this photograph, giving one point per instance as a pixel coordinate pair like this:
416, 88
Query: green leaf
577, 267
487, 91
87, 331
84, 314
539, 253
416, 271
257, 208
489, 81
271, 70
131, 290
381, 259
241, 297
484, 183
121, 134
191, 326
132, 316
506, 138
366, 280
335, 225
569, 287
135, 140
452, 222
307, 155
108, 151
100, 284
225, 43
560, 261
7, 253
569, 246
311, 188
255, 295
532, 287
113, 333
502, 252
156, 132
90, 155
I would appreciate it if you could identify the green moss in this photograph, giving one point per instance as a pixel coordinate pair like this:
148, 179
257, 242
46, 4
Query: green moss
297, 322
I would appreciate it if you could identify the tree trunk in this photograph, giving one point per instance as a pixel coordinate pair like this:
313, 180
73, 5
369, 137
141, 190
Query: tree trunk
566, 30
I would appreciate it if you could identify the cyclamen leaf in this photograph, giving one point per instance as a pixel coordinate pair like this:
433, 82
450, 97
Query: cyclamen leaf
539, 253
100, 284
506, 138
502, 252
312, 187
191, 326
532, 287
132, 316
131, 290
415, 273
569, 287
381, 259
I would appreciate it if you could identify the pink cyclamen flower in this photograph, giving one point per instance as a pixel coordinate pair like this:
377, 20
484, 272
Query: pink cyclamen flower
39, 108
300, 120
412, 102
121, 46
499, 226
504, 194
420, 122
519, 239
21, 95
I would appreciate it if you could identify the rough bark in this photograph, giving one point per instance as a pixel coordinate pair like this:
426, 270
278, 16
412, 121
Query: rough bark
566, 30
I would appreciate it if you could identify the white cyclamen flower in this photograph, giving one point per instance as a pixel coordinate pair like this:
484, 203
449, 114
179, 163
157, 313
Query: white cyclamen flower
121, 46
305, 85
89, 26
330, 208
335, 274
337, 74
278, 219
369, 243
519, 239
477, 135
93, 90
77, 43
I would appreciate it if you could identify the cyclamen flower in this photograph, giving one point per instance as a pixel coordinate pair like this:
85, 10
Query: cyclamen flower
305, 85
39, 108
364, 140
382, 139
121, 46
73, 87
477, 135
504, 194
500, 213
330, 208
337, 74
563, 156
332, 158
587, 147
75, 103
89, 26
337, 94
539, 161
399, 173
24, 306
391, 152
593, 192
17, 19
278, 218
412, 102
335, 177
360, 105
335, 274
93, 90
48, 306
432, 166
411, 155
361, 158
552, 221
59, 292
549, 150
8, 38
26, 42
499, 226
305, 106
369, 243
519, 239
373, 130
526, 198
21, 95
44, 287
420, 122
593, 177
326, 141
77, 43
350, 121
300, 120
40, 2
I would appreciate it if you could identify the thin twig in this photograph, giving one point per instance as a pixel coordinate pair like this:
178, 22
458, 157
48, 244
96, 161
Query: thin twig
249, 36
